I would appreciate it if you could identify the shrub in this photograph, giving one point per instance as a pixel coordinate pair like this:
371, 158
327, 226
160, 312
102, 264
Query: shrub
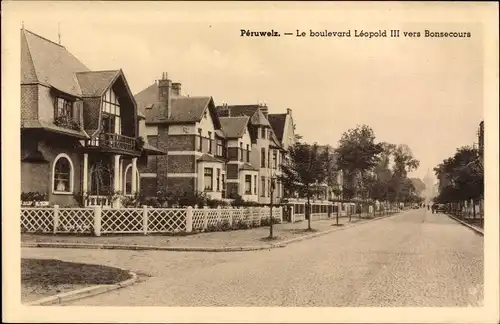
240, 202
34, 196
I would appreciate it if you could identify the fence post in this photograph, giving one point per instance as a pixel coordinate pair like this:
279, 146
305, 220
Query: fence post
145, 219
205, 217
219, 214
230, 216
97, 220
189, 219
56, 218
292, 215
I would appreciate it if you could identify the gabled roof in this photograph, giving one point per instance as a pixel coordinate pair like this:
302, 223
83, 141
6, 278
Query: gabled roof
234, 127
248, 167
208, 158
46, 62
95, 83
184, 109
252, 111
277, 122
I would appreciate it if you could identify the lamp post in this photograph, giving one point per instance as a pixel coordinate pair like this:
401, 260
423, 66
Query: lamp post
273, 179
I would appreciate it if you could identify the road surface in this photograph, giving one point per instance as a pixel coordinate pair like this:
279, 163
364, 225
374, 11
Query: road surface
413, 259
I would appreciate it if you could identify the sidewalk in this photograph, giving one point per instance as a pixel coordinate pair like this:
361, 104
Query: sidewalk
255, 237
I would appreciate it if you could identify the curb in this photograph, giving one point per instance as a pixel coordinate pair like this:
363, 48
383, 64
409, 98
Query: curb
305, 237
146, 247
192, 248
83, 293
475, 229
195, 249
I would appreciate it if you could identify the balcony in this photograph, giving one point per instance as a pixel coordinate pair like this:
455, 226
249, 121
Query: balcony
113, 141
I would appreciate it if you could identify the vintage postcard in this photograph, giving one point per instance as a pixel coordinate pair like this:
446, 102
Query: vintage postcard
250, 161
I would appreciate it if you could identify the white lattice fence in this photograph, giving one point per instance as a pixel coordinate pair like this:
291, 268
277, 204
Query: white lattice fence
212, 217
225, 215
37, 220
198, 219
300, 217
278, 214
75, 220
162, 220
126, 220
238, 215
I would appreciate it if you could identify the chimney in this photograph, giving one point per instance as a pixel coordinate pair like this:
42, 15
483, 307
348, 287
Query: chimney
288, 111
165, 94
224, 111
176, 89
263, 109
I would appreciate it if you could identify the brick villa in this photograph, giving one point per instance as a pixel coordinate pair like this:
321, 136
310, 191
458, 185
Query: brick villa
224, 151
79, 128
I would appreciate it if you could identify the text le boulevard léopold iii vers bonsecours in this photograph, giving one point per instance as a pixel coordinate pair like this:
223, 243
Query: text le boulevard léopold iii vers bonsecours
357, 33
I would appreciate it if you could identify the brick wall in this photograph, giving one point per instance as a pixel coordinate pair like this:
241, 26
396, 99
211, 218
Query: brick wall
233, 153
181, 164
162, 160
181, 185
38, 176
231, 189
180, 142
232, 171
35, 177
148, 187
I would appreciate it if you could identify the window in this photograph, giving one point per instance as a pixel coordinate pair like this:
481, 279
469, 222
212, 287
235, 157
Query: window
269, 159
223, 182
62, 174
200, 141
241, 152
263, 157
208, 179
64, 108
275, 159
127, 189
220, 148
210, 142
218, 179
248, 153
263, 134
254, 185
248, 184
111, 113
262, 186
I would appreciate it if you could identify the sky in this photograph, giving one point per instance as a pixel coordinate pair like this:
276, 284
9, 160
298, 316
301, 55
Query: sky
423, 92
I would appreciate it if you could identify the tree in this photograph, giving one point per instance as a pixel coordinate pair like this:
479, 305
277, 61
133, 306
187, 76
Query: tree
357, 153
305, 168
461, 176
404, 162
419, 185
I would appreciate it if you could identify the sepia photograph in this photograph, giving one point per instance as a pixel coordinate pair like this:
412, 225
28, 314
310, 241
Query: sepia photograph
283, 156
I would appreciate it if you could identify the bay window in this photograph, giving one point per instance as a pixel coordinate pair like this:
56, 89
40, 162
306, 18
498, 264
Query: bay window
248, 184
208, 179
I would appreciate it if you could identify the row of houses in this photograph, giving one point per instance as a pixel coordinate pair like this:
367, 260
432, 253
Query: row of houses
83, 132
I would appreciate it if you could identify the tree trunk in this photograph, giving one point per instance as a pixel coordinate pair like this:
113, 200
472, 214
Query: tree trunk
308, 209
338, 211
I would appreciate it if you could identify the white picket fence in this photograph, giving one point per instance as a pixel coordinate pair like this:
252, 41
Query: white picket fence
144, 220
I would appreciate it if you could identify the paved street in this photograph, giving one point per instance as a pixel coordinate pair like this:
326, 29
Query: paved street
413, 259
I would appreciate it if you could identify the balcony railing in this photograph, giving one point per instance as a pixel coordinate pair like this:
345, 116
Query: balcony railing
114, 141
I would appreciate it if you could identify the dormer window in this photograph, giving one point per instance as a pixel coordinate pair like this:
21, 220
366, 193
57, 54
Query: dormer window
64, 115
111, 120
64, 108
